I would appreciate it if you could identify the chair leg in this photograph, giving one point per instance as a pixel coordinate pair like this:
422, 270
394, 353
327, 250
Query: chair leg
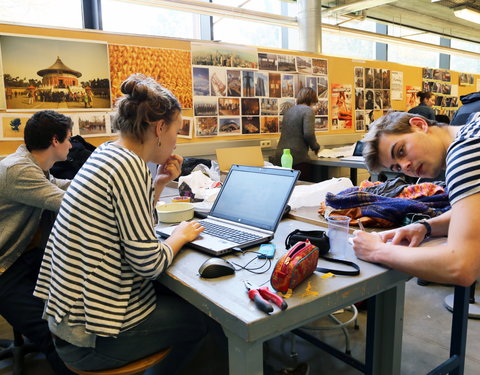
16, 349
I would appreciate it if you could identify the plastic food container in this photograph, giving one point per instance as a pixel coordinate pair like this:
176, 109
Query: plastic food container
174, 212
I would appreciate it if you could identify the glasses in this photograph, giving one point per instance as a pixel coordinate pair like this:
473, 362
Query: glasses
413, 217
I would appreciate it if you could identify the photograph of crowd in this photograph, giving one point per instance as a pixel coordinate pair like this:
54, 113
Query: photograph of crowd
65, 74
205, 106
229, 106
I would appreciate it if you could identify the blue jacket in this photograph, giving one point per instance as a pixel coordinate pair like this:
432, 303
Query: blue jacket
471, 104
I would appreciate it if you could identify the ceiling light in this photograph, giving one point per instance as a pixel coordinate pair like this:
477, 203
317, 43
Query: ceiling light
468, 14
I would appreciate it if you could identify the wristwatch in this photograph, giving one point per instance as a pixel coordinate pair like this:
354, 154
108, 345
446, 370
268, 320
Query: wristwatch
427, 225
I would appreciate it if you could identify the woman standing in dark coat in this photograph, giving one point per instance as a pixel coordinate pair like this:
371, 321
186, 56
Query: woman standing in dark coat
298, 132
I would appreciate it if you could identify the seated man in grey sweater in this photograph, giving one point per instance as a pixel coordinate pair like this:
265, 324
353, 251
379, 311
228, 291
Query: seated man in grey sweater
29, 199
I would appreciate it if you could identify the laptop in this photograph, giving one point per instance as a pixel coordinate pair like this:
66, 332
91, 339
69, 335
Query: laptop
247, 210
357, 153
250, 155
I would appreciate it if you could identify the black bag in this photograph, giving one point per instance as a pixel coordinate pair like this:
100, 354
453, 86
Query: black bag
316, 237
321, 240
77, 156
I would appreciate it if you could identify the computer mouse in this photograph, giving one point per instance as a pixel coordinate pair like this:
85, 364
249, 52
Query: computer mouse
215, 267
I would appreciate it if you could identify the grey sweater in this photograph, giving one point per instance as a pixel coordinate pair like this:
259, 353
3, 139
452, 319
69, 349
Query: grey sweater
25, 191
298, 134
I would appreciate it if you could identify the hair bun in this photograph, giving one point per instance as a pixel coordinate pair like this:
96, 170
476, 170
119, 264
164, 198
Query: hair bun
135, 87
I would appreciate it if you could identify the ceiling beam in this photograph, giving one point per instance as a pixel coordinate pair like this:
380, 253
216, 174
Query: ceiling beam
354, 6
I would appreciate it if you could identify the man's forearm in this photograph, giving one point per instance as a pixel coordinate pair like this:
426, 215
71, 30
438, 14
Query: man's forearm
440, 224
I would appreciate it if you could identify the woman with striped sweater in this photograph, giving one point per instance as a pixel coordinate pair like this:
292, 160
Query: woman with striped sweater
97, 274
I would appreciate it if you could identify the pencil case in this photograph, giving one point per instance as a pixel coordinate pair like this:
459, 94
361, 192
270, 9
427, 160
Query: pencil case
295, 266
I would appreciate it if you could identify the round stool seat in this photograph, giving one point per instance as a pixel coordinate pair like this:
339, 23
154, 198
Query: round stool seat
132, 368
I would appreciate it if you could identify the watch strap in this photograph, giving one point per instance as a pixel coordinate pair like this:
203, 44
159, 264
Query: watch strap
427, 225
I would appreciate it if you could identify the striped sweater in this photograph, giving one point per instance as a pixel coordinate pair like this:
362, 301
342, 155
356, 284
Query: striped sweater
463, 162
103, 252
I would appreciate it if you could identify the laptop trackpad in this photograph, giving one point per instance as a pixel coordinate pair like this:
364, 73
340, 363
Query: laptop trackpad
212, 243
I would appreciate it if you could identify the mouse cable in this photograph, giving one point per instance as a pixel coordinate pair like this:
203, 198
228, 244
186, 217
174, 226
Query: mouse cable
253, 269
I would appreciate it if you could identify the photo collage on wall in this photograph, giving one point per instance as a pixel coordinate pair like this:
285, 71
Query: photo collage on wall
438, 82
245, 92
372, 93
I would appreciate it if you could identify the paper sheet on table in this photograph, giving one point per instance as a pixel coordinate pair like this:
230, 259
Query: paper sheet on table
337, 152
312, 195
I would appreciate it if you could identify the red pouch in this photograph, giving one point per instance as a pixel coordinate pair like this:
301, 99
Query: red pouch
295, 266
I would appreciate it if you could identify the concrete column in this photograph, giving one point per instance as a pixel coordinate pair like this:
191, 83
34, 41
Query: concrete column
310, 25
444, 62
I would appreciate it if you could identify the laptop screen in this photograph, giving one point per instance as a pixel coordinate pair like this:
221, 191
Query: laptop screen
255, 196
358, 149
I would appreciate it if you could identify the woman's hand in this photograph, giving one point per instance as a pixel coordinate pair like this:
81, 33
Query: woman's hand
189, 230
366, 244
413, 234
184, 233
169, 171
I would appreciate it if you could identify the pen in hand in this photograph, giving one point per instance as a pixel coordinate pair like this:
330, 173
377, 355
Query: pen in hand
362, 228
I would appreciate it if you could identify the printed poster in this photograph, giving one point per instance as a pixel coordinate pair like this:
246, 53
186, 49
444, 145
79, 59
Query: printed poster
341, 96
64, 75
396, 89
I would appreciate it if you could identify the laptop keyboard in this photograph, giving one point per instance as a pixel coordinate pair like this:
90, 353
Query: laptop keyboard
227, 233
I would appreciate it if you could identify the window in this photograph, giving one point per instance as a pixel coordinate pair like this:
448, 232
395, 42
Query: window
56, 13
267, 6
413, 55
231, 30
462, 63
123, 17
341, 45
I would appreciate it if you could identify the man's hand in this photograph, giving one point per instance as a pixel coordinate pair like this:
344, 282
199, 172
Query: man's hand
366, 245
412, 234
